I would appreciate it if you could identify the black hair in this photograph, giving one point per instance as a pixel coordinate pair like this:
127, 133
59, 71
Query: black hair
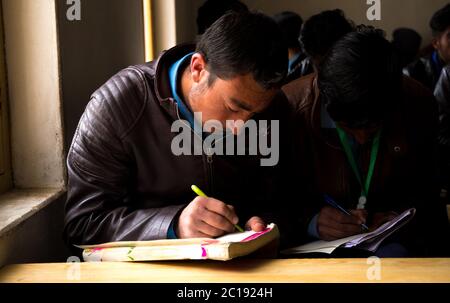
440, 20
407, 43
242, 43
321, 31
360, 78
212, 10
290, 24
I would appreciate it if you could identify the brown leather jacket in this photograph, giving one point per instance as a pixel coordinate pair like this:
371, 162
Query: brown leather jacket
124, 182
405, 172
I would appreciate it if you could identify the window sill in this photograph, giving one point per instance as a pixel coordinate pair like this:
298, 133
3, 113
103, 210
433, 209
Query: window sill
18, 205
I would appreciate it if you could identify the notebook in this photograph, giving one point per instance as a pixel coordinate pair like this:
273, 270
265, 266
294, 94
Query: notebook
223, 248
367, 241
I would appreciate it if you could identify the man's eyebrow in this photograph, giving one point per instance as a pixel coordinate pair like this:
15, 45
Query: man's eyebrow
242, 104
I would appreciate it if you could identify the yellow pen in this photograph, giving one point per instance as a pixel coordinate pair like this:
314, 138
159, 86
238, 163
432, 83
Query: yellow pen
200, 193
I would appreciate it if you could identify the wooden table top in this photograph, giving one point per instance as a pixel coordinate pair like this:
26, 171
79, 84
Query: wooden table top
236, 271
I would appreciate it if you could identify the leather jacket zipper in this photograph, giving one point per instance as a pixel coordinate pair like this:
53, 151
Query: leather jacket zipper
209, 161
209, 156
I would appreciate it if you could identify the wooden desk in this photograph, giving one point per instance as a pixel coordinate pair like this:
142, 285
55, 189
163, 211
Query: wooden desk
236, 271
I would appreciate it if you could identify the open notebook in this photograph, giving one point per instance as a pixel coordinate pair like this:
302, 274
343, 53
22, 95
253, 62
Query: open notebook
223, 248
368, 241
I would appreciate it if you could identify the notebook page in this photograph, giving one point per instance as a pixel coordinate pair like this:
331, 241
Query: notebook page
243, 236
388, 227
320, 246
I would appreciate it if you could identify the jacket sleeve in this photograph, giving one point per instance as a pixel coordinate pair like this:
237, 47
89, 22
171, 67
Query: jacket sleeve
100, 206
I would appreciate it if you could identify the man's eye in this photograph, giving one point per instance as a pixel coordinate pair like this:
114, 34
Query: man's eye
232, 110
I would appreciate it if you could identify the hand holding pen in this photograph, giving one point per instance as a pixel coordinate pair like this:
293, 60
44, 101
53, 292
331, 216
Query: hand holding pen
206, 217
335, 222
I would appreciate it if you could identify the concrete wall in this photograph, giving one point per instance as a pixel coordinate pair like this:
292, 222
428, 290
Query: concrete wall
34, 93
109, 37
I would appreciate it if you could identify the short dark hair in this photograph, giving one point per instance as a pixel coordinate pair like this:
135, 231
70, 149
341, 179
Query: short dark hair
321, 31
360, 79
242, 43
212, 10
440, 20
407, 43
290, 24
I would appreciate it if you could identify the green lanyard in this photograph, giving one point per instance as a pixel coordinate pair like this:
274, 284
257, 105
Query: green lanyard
351, 159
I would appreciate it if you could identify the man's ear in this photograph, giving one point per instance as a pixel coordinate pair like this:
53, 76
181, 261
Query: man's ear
435, 42
198, 68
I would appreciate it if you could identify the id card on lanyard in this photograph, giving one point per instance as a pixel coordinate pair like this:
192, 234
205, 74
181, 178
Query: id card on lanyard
364, 183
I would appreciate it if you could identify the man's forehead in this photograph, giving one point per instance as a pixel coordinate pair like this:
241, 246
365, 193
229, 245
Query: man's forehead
248, 83
246, 92
247, 89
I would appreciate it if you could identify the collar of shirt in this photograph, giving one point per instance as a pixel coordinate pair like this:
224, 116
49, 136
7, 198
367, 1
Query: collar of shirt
292, 61
175, 73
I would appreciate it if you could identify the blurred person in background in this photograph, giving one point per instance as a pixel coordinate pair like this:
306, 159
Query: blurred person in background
427, 70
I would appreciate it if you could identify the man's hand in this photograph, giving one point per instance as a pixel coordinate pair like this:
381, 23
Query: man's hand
206, 217
381, 218
255, 224
332, 224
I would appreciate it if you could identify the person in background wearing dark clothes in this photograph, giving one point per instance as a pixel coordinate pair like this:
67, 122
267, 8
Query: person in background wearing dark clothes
212, 10
427, 69
367, 136
407, 43
319, 33
126, 183
442, 94
290, 24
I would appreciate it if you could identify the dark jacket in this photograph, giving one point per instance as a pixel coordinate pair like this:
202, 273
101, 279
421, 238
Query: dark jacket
124, 182
426, 70
405, 171
442, 94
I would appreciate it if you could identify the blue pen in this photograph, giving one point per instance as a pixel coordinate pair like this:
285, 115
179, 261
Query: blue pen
333, 203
